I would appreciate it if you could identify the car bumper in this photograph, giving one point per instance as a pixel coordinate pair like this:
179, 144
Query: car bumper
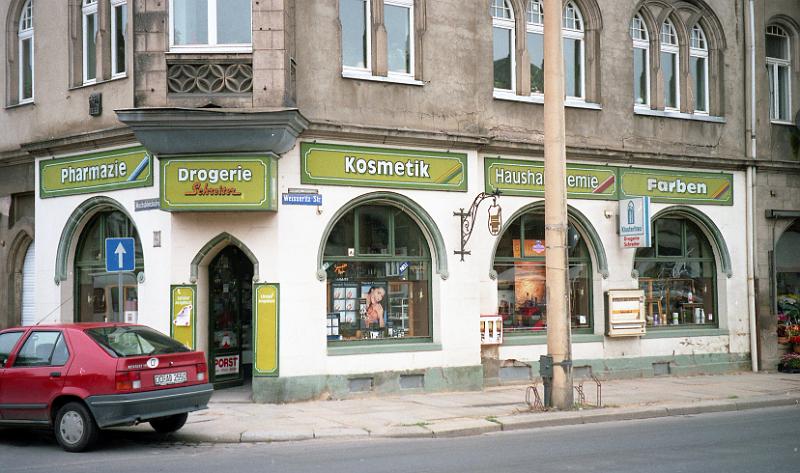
128, 409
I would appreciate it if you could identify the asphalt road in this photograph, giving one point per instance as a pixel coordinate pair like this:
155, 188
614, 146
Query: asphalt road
759, 441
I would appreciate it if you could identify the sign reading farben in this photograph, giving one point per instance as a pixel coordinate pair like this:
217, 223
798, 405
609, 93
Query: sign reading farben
380, 167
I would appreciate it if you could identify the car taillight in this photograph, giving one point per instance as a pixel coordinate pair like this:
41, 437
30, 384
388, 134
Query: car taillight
201, 371
128, 380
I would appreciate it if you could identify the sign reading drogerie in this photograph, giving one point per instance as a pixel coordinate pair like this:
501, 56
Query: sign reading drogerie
218, 183
381, 167
96, 172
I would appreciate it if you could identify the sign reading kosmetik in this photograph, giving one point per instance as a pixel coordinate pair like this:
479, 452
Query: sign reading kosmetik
96, 172
526, 178
218, 183
380, 167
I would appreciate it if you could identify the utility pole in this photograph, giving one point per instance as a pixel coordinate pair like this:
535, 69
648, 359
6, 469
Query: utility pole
559, 344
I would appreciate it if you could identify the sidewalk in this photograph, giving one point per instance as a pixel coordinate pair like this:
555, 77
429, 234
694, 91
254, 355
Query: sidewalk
229, 420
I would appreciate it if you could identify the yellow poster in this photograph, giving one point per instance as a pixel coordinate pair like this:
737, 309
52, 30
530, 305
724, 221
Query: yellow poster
182, 318
266, 334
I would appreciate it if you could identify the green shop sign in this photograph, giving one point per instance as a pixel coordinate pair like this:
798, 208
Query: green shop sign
677, 186
207, 183
380, 167
96, 172
526, 178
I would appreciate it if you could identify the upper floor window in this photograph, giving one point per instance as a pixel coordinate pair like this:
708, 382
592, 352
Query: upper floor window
641, 61
119, 33
503, 45
698, 69
507, 72
89, 23
25, 52
361, 22
670, 66
211, 25
779, 65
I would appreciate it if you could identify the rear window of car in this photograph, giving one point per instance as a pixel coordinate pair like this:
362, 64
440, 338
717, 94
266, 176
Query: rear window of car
134, 341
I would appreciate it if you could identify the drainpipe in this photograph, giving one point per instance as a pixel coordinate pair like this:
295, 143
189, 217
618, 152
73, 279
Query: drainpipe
751, 178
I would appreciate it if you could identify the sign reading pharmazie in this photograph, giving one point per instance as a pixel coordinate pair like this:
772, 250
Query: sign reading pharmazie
381, 167
96, 172
219, 183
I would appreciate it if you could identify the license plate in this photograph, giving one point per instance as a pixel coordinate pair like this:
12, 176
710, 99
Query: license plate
170, 378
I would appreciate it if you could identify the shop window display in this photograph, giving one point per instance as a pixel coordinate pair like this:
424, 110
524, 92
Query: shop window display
379, 267
520, 266
787, 282
96, 291
678, 276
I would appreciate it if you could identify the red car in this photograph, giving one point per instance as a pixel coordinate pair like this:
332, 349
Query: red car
80, 378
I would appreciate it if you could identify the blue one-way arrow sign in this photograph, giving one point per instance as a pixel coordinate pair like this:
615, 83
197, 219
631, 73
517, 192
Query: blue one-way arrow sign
120, 255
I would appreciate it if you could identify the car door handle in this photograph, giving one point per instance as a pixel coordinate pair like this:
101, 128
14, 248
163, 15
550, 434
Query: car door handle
55, 374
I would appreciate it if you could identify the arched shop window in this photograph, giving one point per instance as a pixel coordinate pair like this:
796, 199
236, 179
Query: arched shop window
519, 263
379, 276
787, 274
96, 291
678, 275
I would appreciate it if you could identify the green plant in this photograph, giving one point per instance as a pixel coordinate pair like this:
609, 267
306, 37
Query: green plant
791, 361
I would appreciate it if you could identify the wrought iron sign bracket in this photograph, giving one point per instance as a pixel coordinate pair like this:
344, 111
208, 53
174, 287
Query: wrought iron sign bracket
468, 220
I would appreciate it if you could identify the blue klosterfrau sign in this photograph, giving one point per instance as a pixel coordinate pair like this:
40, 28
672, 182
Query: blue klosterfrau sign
301, 199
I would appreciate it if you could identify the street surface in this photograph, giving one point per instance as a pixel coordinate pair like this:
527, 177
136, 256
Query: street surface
759, 440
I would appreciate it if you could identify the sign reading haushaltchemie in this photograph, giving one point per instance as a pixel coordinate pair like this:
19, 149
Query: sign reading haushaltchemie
96, 172
265, 310
526, 178
182, 314
677, 186
382, 167
201, 183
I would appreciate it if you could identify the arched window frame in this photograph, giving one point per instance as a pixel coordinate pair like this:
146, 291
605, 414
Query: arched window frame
668, 41
641, 41
698, 51
776, 66
89, 28
503, 19
534, 28
572, 28
25, 51
119, 39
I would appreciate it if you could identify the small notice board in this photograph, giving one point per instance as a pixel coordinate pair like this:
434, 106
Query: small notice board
625, 313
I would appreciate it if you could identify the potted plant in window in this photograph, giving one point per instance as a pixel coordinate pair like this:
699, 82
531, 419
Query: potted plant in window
790, 363
788, 316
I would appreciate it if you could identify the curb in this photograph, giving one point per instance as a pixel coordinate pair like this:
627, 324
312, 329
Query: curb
465, 426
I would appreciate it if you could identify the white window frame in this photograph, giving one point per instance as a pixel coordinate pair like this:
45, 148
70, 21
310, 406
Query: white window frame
535, 27
671, 48
644, 44
775, 64
367, 70
506, 23
114, 72
409, 4
25, 33
700, 49
580, 35
88, 8
212, 45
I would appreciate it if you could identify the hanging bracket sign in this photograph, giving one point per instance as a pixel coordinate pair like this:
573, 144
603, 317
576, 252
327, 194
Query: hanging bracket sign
634, 222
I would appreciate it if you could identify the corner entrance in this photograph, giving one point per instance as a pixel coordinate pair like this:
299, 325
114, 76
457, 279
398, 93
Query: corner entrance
230, 312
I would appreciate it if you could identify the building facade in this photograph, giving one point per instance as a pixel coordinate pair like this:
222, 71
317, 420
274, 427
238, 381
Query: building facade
290, 174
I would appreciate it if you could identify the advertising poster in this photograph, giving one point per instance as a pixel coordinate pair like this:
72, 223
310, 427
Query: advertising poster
182, 316
265, 313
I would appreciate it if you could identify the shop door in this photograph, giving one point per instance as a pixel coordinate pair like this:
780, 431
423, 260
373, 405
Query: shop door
230, 318
29, 287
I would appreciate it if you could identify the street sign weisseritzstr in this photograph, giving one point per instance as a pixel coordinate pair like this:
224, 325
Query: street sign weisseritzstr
120, 255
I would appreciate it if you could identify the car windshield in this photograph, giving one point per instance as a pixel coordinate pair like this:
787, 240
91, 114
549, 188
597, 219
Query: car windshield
134, 341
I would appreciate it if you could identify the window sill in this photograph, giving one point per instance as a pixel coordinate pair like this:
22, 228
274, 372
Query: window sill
684, 332
393, 79
541, 339
680, 115
781, 122
205, 49
539, 99
358, 348
20, 104
92, 84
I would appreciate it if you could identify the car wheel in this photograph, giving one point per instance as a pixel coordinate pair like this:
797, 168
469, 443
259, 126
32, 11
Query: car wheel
75, 427
169, 424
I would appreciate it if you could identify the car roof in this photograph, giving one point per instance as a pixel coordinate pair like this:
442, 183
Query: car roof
74, 326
